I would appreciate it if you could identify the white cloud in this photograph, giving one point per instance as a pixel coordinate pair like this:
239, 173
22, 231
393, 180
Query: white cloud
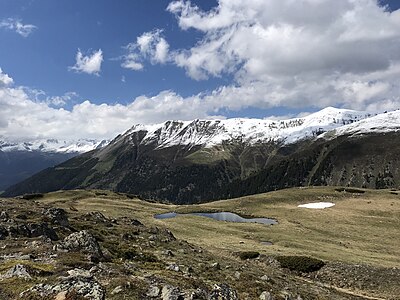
59, 101
131, 62
17, 26
29, 114
90, 64
294, 53
5, 80
151, 46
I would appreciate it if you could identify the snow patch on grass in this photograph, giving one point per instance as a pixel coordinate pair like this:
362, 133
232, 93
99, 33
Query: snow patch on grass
317, 205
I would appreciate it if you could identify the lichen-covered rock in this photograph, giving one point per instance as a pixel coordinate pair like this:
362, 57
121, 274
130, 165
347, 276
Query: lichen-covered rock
223, 292
81, 241
57, 216
153, 291
19, 271
86, 287
198, 294
169, 292
266, 296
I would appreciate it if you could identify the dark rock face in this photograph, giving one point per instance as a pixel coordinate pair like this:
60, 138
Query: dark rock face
31, 230
57, 216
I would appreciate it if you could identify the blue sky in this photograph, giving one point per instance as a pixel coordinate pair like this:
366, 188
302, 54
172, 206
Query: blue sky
63, 27
220, 59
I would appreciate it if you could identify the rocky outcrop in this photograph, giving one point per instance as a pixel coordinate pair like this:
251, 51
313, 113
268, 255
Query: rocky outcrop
19, 271
81, 241
57, 216
28, 230
78, 281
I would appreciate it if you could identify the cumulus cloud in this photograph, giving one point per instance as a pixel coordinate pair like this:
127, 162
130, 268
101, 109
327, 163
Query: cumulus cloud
5, 80
294, 53
90, 63
150, 46
28, 114
17, 26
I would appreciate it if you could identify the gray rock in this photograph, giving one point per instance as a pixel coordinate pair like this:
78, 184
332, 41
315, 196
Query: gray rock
79, 273
237, 275
216, 266
85, 286
169, 292
173, 267
266, 296
32, 230
57, 216
198, 294
4, 217
117, 290
135, 222
81, 241
98, 217
265, 278
223, 292
19, 271
42, 229
153, 291
168, 253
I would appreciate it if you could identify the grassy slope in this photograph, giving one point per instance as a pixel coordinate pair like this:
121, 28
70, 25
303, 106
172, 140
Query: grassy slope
361, 228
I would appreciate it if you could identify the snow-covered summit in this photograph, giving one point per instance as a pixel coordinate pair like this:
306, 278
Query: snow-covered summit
52, 145
384, 122
209, 133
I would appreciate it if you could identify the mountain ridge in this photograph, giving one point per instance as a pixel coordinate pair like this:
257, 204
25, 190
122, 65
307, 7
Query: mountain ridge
203, 160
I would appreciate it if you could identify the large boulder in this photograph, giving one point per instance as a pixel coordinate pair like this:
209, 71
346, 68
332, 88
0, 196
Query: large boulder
82, 241
56, 216
78, 282
31, 230
19, 271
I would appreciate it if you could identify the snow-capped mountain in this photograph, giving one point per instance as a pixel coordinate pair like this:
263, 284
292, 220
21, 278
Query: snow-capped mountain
209, 133
200, 160
52, 145
384, 122
19, 160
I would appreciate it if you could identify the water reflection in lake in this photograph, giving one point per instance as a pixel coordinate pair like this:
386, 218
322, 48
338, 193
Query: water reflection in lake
222, 216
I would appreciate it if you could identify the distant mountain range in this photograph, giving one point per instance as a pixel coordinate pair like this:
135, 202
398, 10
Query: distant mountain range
21, 159
201, 160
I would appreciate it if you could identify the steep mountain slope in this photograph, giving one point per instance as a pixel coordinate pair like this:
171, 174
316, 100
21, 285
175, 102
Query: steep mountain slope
186, 162
19, 160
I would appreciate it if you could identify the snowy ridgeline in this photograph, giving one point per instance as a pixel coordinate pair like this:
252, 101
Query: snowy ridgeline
327, 123
52, 145
209, 133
